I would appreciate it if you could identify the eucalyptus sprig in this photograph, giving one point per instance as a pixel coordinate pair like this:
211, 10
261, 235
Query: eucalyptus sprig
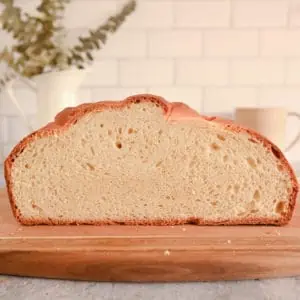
97, 38
37, 49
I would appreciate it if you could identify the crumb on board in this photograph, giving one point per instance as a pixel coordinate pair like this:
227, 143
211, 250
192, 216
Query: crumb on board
183, 229
228, 241
167, 253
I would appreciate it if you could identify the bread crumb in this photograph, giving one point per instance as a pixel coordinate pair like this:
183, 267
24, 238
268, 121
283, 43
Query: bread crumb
183, 229
167, 253
172, 226
3, 278
228, 241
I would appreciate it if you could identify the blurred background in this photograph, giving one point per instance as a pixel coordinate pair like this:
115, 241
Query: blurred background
213, 55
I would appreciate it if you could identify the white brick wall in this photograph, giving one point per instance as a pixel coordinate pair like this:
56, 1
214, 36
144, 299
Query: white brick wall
212, 54
202, 14
231, 43
146, 72
176, 43
202, 72
257, 72
260, 13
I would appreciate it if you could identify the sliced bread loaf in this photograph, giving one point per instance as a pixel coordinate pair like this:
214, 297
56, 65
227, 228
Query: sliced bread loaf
147, 161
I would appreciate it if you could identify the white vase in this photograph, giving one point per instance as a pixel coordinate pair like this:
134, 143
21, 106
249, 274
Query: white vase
55, 91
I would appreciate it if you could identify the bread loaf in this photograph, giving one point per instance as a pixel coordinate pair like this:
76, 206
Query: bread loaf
147, 161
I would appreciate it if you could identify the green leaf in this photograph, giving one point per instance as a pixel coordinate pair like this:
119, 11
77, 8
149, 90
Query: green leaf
37, 49
96, 43
89, 56
78, 48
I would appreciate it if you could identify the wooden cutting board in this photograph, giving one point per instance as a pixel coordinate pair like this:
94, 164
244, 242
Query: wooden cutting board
132, 253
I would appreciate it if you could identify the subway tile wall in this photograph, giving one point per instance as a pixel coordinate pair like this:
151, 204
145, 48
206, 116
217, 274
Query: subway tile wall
212, 54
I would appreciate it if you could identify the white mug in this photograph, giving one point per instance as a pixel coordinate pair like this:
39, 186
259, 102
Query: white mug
270, 122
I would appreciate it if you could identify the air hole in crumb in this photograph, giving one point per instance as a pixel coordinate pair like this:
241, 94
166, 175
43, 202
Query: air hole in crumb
214, 203
236, 188
120, 130
229, 188
130, 130
168, 197
137, 101
254, 211
221, 137
109, 132
241, 214
145, 204
90, 166
101, 125
198, 200
159, 163
160, 131
225, 158
253, 140
160, 205
27, 166
118, 145
280, 167
215, 146
256, 195
75, 122
92, 150
280, 207
251, 162
144, 109
276, 152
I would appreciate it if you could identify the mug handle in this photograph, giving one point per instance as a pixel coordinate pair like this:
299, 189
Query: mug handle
297, 138
10, 91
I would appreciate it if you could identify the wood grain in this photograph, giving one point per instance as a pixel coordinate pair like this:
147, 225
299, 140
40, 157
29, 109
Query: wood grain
145, 253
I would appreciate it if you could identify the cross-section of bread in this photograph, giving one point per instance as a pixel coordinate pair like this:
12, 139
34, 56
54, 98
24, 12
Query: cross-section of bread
147, 161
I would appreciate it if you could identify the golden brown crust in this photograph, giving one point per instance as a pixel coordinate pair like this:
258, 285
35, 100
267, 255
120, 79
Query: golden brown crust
172, 112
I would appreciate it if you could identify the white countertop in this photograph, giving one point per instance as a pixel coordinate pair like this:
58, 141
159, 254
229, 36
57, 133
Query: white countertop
13, 288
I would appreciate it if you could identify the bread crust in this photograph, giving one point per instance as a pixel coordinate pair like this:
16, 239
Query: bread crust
173, 112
